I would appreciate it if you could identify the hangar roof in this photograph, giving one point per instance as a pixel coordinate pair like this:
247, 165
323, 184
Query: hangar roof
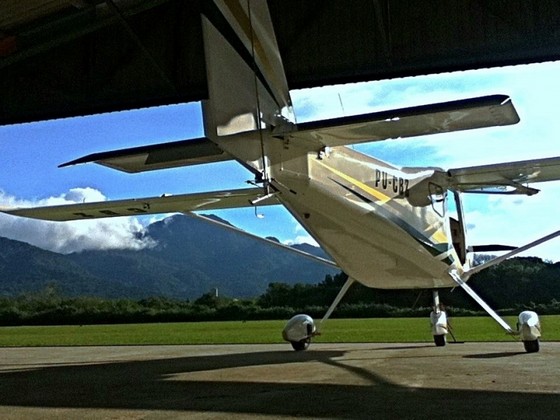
61, 58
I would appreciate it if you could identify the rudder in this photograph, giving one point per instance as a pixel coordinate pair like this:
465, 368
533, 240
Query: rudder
247, 86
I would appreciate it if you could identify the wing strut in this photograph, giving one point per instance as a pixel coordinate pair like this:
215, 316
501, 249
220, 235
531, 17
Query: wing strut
337, 299
461, 280
457, 278
516, 251
288, 248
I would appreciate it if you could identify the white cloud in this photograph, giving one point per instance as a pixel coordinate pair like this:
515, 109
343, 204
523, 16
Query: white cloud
305, 239
299, 236
75, 236
302, 239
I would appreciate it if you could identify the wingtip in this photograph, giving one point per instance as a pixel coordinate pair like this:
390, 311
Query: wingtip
70, 163
9, 210
85, 159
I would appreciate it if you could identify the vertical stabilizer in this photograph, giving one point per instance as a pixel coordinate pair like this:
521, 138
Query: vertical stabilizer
246, 82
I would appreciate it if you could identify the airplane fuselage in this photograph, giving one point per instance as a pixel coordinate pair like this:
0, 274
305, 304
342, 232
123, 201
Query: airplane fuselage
385, 226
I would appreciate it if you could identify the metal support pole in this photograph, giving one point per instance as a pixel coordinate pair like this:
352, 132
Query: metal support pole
337, 299
435, 296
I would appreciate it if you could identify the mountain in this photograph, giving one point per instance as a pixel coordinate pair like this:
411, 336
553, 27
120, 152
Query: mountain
191, 257
25, 268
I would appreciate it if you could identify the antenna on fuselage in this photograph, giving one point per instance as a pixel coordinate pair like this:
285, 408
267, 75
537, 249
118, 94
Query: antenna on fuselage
341, 105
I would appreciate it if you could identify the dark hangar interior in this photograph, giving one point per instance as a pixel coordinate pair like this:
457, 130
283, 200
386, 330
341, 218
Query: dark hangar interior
62, 58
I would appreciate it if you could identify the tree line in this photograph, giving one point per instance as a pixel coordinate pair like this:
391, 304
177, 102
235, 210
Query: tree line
517, 284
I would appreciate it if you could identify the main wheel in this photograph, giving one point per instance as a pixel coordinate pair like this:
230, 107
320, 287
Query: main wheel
301, 345
439, 340
531, 346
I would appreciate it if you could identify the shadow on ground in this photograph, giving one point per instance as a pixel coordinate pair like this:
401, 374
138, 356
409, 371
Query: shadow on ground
154, 385
496, 355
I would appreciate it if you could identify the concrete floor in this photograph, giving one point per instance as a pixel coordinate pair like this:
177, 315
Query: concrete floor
381, 381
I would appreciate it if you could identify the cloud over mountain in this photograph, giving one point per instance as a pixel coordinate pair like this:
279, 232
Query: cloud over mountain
67, 237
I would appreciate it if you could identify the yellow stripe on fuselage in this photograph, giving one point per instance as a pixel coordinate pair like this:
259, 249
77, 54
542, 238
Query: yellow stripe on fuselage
382, 198
439, 234
438, 237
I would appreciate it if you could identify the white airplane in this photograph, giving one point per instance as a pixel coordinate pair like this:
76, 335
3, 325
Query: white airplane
385, 226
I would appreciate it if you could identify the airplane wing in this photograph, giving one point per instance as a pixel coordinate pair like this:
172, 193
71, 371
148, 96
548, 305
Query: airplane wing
511, 178
158, 156
485, 111
142, 206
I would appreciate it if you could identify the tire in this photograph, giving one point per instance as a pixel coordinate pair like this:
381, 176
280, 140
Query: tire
439, 340
301, 345
531, 346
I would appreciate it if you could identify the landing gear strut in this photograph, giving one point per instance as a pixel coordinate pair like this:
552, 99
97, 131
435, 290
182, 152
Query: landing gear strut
301, 328
438, 319
528, 324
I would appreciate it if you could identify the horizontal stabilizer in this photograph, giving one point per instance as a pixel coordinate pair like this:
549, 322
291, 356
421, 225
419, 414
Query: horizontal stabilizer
158, 156
485, 111
216, 200
505, 178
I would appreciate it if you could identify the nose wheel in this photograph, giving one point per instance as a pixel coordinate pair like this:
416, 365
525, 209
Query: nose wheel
440, 340
301, 345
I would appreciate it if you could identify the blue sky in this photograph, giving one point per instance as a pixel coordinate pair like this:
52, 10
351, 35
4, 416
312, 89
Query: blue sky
30, 153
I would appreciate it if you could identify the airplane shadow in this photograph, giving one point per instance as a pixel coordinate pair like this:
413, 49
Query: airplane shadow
154, 385
419, 346
494, 355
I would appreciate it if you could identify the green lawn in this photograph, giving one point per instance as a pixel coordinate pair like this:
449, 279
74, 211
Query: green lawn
334, 330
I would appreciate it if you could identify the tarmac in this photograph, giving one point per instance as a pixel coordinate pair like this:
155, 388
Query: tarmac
339, 381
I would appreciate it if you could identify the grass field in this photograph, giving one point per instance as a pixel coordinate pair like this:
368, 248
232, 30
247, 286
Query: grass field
236, 332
